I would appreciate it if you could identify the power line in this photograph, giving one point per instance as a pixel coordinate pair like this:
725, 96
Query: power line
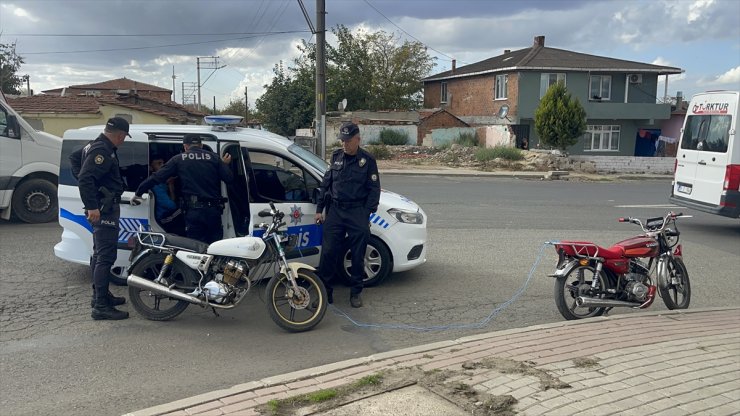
407, 33
150, 34
157, 46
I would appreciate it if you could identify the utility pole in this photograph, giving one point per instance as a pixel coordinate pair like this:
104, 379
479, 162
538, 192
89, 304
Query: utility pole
212, 64
320, 32
246, 107
173, 83
214, 104
188, 94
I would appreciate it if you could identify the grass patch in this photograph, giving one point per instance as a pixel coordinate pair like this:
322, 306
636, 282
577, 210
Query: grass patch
499, 152
466, 139
273, 406
321, 396
370, 380
379, 151
392, 137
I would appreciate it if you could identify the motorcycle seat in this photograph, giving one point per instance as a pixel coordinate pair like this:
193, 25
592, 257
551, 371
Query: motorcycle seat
189, 244
585, 248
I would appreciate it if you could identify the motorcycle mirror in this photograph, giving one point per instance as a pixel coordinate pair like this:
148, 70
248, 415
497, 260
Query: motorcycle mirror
264, 213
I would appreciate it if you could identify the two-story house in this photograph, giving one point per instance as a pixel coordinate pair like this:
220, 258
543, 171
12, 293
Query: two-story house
620, 97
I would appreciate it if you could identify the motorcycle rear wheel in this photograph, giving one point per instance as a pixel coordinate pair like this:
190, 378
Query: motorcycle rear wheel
158, 307
296, 313
675, 288
574, 284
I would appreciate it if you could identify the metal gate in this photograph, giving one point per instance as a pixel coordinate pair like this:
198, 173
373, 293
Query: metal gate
521, 131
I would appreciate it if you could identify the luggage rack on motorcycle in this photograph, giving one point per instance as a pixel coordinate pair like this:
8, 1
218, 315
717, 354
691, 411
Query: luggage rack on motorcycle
582, 250
150, 238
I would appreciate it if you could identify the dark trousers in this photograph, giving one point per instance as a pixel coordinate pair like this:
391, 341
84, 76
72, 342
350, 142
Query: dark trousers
105, 250
344, 228
204, 224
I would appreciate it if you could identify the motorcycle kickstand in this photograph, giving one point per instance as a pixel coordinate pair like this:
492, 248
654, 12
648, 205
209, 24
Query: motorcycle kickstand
215, 313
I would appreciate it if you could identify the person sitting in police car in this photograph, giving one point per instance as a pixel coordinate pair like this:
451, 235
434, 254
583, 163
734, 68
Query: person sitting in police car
200, 172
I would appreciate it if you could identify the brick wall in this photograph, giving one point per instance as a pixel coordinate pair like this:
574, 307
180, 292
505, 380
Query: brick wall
473, 96
618, 164
439, 120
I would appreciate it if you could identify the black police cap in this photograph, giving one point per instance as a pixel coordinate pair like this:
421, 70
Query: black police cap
118, 123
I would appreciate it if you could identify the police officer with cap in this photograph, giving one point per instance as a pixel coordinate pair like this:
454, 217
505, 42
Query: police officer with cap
200, 172
99, 179
350, 192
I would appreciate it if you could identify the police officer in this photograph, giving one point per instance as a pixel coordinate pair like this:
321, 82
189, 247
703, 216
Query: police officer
350, 192
96, 168
201, 173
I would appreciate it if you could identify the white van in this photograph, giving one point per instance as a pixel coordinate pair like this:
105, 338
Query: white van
707, 170
29, 168
266, 167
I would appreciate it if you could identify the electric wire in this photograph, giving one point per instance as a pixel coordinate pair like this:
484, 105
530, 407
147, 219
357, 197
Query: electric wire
475, 325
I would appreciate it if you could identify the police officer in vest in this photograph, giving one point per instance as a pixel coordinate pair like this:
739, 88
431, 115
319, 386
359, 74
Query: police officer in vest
350, 192
96, 168
200, 172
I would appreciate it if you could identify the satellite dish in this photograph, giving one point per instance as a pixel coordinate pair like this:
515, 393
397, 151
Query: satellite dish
503, 111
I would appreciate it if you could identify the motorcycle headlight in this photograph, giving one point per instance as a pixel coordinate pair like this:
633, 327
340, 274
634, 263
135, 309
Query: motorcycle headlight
409, 217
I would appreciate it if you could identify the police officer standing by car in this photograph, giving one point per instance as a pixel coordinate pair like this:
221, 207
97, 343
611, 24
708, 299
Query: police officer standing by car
350, 192
99, 179
201, 173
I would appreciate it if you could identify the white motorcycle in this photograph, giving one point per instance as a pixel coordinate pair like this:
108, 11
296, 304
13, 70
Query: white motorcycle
169, 272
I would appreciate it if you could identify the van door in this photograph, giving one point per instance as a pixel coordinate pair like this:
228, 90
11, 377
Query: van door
10, 155
282, 180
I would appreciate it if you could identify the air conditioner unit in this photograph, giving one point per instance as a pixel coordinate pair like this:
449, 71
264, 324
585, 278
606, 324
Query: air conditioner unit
635, 78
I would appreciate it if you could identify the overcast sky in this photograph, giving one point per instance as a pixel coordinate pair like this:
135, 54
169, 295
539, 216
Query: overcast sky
74, 42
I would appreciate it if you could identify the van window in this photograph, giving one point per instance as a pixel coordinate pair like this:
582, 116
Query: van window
132, 159
279, 179
707, 133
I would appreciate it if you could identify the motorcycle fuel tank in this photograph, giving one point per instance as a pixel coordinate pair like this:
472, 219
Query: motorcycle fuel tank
245, 247
639, 247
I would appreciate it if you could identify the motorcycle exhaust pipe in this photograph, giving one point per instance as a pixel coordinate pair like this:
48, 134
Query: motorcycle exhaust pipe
588, 302
149, 285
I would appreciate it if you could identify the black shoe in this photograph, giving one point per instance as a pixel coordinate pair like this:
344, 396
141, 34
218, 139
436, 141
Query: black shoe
355, 301
109, 313
112, 300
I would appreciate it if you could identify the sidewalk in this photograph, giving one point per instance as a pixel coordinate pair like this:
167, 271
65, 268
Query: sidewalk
642, 363
463, 172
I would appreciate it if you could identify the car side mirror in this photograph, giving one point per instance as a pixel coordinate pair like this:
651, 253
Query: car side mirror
13, 128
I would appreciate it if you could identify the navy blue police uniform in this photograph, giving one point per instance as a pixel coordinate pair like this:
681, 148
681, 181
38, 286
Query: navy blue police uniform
100, 184
350, 192
200, 172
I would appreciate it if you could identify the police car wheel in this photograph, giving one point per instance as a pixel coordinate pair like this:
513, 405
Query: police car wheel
378, 262
35, 201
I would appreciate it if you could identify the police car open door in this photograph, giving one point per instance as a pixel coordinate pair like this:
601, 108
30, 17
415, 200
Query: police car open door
276, 178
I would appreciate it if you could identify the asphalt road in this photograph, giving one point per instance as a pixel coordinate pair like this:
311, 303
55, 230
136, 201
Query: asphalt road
485, 235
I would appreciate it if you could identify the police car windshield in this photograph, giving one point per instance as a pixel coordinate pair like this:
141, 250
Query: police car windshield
308, 157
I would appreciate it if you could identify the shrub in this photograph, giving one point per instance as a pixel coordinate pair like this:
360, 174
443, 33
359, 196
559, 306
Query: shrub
466, 139
503, 152
379, 151
394, 137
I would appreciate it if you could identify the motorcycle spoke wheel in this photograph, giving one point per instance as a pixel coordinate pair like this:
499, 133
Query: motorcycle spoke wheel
577, 283
153, 306
675, 288
296, 311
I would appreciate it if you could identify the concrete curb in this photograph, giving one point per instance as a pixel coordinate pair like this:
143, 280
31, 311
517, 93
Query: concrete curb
520, 174
340, 366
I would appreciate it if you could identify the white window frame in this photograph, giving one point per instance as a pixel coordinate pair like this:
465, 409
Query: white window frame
605, 137
603, 79
499, 90
443, 92
546, 81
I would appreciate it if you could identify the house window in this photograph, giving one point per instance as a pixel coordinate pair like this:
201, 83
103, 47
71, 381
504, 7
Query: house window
501, 86
547, 80
601, 138
443, 97
601, 87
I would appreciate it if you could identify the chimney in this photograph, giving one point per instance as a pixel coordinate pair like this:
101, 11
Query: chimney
507, 51
454, 61
539, 41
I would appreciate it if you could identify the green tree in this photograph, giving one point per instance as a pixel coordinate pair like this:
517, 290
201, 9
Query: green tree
560, 119
286, 104
238, 108
10, 63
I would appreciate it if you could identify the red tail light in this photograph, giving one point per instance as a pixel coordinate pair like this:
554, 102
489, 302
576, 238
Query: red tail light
675, 166
732, 178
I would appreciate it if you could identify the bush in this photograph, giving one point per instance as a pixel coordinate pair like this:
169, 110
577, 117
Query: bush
503, 152
466, 139
379, 151
394, 137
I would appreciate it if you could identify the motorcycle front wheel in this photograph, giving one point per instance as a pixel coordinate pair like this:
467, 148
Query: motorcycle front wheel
296, 311
577, 283
674, 287
157, 307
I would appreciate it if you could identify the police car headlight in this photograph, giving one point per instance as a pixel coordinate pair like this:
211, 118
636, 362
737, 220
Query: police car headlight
409, 217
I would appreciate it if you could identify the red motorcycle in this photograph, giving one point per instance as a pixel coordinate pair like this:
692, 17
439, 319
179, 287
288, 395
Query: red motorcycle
591, 280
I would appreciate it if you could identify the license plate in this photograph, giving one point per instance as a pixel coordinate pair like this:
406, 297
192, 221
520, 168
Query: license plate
684, 189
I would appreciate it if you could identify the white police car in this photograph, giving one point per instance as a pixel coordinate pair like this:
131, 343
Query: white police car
266, 167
